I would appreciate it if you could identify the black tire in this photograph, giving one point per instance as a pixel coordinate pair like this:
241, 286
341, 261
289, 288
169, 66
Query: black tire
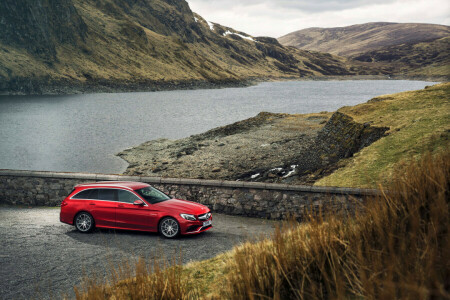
169, 228
84, 222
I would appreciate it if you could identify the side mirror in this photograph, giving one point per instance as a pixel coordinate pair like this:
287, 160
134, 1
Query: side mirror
139, 202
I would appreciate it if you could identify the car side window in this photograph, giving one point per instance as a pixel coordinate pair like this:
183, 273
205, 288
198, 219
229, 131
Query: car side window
107, 194
126, 196
86, 194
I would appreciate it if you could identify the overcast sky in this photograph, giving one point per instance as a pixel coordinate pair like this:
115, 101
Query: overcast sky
279, 17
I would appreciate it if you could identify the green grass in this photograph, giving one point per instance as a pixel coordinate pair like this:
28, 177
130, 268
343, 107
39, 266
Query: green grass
419, 121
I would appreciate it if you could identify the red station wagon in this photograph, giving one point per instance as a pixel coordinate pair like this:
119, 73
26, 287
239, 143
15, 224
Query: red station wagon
133, 206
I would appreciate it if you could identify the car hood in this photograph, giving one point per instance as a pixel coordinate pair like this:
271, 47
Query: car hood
183, 206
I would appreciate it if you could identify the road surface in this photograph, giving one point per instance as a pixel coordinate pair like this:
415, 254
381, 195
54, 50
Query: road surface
43, 258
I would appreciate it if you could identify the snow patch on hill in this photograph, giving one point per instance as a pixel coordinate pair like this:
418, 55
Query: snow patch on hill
211, 25
240, 35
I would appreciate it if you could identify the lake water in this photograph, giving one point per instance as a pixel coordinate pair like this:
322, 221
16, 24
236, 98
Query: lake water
82, 133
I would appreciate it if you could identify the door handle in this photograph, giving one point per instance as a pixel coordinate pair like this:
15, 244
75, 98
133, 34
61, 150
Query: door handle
120, 205
91, 203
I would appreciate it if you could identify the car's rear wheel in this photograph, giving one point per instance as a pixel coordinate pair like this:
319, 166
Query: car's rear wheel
84, 222
169, 227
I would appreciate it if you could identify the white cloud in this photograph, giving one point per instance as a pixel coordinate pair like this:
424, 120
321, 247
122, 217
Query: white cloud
278, 17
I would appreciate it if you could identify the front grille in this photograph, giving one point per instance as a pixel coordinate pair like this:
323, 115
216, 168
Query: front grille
205, 216
193, 228
204, 227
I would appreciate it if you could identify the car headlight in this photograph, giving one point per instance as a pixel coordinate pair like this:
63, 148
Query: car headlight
188, 217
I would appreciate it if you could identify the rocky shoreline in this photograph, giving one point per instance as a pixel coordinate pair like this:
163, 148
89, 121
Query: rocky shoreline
283, 148
49, 86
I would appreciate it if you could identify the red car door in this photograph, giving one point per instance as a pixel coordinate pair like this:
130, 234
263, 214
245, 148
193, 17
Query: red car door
131, 216
102, 207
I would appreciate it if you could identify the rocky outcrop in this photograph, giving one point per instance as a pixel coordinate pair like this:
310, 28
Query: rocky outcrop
165, 17
263, 118
275, 50
40, 25
228, 152
340, 138
270, 147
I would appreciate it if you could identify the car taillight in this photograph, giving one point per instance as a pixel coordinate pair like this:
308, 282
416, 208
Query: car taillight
64, 203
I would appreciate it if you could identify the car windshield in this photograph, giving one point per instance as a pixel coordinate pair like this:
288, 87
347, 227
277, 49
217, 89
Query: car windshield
152, 195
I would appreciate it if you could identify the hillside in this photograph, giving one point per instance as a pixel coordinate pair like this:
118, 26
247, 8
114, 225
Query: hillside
418, 121
351, 40
416, 59
101, 45
413, 50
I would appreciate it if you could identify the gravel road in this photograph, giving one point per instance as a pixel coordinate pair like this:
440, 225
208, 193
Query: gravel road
43, 258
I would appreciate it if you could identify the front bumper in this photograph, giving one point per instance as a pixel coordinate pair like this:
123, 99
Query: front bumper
194, 227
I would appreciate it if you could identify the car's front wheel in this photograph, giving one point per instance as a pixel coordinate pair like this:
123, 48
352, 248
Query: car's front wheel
169, 227
84, 222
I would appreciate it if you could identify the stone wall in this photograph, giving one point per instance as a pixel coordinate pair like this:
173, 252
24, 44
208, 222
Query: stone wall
253, 199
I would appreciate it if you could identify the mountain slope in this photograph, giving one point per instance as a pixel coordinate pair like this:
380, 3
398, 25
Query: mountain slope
138, 45
421, 50
422, 58
351, 40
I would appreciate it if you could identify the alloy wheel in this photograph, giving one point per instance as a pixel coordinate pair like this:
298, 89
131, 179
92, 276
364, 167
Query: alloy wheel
169, 227
84, 222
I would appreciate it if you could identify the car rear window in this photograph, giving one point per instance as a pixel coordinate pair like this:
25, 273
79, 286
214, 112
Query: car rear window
107, 194
87, 194
97, 194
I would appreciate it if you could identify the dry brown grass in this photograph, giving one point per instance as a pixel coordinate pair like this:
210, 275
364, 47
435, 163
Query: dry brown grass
397, 248
141, 280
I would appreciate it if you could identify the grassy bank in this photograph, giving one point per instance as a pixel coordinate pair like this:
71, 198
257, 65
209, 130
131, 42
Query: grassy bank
419, 121
398, 248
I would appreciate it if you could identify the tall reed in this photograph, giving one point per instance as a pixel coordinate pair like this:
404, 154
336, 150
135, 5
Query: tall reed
158, 279
396, 248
